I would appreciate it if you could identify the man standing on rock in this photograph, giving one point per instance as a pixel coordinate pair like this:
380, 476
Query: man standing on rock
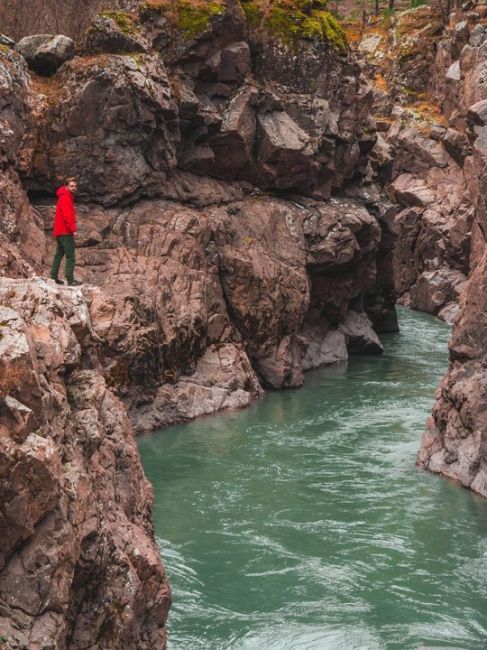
64, 230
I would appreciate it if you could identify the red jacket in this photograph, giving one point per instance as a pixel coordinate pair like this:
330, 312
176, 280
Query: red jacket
65, 218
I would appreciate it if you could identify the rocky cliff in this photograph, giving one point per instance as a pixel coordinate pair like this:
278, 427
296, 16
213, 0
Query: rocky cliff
232, 235
455, 443
413, 88
427, 75
214, 266
78, 563
241, 221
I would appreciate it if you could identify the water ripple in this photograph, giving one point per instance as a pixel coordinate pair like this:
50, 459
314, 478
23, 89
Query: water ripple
302, 523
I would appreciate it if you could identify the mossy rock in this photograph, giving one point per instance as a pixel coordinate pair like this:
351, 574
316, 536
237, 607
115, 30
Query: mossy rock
123, 20
190, 17
294, 20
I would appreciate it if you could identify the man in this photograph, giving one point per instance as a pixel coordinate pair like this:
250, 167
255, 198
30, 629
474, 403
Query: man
64, 230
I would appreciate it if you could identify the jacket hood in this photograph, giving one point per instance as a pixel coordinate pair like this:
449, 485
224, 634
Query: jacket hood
63, 190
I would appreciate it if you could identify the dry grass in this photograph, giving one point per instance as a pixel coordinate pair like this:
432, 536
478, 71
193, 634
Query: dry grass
11, 377
50, 87
428, 111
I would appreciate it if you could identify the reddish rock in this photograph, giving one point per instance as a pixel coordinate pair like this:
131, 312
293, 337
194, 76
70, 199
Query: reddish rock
455, 442
199, 289
116, 111
78, 560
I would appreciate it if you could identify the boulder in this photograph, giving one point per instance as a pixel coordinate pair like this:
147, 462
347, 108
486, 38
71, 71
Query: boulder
229, 65
285, 153
323, 345
5, 40
223, 380
45, 53
232, 146
434, 290
457, 145
477, 113
415, 152
453, 72
359, 334
29, 45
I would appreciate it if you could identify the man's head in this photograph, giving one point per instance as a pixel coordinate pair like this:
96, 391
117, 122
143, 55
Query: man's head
72, 185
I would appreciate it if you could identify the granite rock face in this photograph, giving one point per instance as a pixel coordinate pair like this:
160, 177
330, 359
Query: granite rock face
22, 238
226, 104
176, 293
430, 105
413, 83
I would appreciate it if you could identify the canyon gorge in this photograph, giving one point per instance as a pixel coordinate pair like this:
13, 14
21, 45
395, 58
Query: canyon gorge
257, 189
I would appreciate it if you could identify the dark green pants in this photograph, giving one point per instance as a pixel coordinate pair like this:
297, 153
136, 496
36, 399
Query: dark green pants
65, 246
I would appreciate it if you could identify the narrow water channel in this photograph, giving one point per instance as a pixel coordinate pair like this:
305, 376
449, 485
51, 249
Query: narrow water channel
302, 523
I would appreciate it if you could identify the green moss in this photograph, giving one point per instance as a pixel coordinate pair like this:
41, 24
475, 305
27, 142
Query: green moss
4, 48
190, 17
194, 20
283, 24
332, 31
123, 20
301, 19
252, 13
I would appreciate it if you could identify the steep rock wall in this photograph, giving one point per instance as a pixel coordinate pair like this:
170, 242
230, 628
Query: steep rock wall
212, 267
455, 443
78, 563
426, 180
234, 263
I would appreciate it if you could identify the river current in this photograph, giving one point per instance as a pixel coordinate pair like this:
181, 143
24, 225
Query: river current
301, 522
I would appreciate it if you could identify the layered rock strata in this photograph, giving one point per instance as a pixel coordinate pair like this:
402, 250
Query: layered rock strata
222, 257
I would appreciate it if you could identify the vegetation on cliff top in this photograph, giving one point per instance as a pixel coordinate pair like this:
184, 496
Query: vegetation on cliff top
292, 20
288, 20
190, 17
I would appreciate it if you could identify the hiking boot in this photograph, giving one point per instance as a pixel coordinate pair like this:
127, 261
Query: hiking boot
58, 281
75, 283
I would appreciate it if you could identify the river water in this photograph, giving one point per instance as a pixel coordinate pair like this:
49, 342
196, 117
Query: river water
302, 523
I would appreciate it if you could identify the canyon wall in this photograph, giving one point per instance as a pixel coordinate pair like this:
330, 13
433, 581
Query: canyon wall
455, 443
429, 103
238, 213
231, 236
426, 180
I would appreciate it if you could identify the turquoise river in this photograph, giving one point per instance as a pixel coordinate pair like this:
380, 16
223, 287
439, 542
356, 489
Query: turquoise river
301, 523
